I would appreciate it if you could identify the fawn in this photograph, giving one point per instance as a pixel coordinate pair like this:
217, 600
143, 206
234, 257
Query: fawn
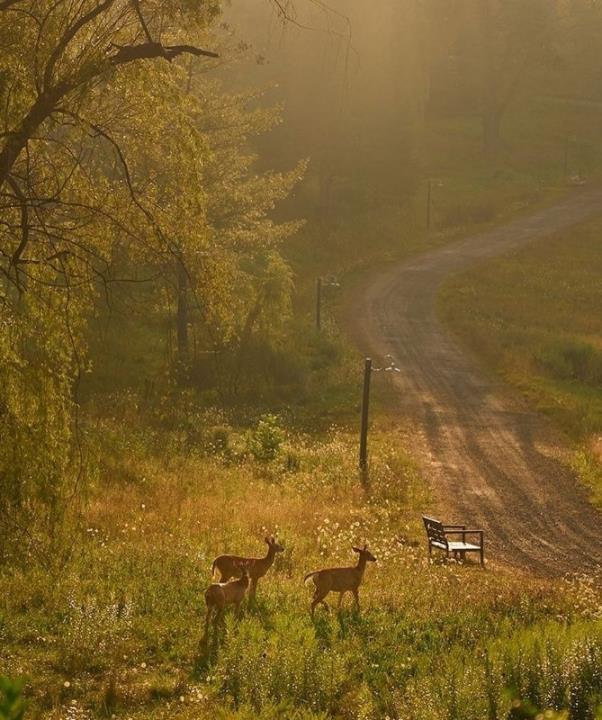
230, 565
341, 580
218, 595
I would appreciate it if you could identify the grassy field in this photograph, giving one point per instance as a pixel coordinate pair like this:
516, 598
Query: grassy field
112, 624
536, 318
109, 621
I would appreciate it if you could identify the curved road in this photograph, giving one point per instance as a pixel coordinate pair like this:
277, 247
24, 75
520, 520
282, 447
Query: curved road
491, 461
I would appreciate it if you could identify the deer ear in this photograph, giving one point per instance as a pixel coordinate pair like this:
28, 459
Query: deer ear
357, 550
267, 539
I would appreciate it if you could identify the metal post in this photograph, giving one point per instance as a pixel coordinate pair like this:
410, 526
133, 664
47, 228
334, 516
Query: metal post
365, 408
566, 156
428, 203
318, 303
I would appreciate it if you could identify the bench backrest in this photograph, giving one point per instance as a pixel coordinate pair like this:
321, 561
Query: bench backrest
434, 530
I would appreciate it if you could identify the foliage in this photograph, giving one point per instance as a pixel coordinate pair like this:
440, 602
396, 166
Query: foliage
266, 439
12, 705
118, 171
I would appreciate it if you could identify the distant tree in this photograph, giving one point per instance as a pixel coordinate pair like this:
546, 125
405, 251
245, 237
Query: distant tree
484, 52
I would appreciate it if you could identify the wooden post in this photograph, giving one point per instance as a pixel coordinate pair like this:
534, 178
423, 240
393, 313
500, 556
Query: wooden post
365, 408
566, 156
429, 194
319, 304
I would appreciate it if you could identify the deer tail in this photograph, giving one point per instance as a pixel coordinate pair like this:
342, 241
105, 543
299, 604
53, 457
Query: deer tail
311, 574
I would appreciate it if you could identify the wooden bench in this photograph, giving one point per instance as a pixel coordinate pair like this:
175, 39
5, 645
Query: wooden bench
438, 533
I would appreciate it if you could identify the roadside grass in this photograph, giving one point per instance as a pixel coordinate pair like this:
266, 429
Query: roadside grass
536, 318
117, 630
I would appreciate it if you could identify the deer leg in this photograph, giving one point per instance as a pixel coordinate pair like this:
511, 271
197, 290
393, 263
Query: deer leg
317, 599
356, 595
340, 599
253, 588
207, 620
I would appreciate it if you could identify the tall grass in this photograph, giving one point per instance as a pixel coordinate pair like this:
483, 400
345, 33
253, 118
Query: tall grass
118, 629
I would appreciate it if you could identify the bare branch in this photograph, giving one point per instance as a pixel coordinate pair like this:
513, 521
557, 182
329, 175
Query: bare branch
150, 50
7, 4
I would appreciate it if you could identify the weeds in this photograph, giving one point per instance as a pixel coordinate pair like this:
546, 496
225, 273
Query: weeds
118, 629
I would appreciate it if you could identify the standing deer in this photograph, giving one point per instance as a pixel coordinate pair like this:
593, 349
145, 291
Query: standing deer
341, 580
219, 595
230, 565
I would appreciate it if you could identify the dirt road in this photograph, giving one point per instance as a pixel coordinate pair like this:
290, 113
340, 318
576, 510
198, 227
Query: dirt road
491, 461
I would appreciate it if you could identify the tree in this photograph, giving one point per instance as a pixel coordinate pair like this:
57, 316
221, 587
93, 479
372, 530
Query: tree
484, 52
108, 175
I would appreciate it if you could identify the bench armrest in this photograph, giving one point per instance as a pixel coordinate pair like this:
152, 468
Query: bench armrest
459, 532
454, 527
466, 532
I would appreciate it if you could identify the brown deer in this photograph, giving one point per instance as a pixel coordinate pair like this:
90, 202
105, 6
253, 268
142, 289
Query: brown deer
230, 565
219, 595
341, 580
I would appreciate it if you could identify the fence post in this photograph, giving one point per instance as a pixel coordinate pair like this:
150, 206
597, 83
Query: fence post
365, 409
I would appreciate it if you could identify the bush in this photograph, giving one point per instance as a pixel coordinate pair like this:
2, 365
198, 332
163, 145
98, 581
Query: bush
12, 705
265, 441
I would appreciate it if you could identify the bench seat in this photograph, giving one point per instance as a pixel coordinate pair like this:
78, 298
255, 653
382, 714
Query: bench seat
438, 537
455, 546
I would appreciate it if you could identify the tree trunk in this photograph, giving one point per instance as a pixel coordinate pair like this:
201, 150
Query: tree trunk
17, 140
182, 312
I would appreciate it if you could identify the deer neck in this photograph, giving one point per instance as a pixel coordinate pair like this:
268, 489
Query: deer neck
361, 565
269, 558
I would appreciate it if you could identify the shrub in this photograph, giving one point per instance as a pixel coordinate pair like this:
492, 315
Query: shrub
265, 441
12, 705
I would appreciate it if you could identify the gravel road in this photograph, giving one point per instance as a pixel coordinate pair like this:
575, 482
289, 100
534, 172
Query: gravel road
491, 461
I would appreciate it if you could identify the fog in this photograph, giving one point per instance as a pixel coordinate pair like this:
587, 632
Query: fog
362, 84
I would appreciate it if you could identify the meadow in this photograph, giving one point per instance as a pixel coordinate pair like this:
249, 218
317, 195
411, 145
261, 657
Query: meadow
108, 620
112, 624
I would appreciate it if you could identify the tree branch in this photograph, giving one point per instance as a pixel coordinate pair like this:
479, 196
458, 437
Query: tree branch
16, 256
150, 50
7, 4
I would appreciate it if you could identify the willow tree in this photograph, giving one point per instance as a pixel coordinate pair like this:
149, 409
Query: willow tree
64, 200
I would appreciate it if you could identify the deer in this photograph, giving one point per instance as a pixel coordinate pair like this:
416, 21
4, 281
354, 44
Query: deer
219, 595
230, 565
341, 580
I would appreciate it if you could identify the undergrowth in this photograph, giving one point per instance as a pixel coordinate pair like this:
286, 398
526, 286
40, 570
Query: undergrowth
117, 629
